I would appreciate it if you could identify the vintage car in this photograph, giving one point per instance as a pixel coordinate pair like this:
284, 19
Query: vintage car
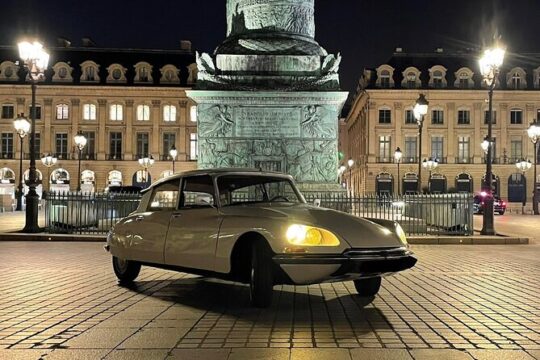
253, 227
499, 206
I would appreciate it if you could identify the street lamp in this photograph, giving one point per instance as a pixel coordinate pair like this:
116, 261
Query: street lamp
430, 165
22, 127
420, 110
173, 153
397, 156
534, 134
341, 171
524, 166
350, 162
490, 63
80, 142
48, 161
146, 162
35, 60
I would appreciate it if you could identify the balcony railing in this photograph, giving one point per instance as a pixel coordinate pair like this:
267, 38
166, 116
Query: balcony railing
115, 157
385, 160
7, 155
464, 160
409, 160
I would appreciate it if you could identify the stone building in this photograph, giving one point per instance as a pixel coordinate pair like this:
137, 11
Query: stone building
128, 103
381, 119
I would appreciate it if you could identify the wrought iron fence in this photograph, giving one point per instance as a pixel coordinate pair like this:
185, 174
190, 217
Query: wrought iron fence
430, 214
87, 213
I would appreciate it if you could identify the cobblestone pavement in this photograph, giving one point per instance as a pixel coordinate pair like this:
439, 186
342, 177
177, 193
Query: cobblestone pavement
61, 301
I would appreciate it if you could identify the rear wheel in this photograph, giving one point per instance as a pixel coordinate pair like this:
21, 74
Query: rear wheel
126, 270
261, 281
368, 287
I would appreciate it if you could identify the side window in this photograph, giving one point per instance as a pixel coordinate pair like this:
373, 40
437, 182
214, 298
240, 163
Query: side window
197, 192
165, 196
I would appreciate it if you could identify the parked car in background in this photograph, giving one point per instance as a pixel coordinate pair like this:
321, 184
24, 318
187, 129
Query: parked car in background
253, 227
499, 206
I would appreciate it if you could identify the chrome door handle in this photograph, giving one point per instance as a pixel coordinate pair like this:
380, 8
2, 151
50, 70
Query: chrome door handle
139, 218
177, 215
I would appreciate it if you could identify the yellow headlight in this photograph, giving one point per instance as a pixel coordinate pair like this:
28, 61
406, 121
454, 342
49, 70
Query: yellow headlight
401, 234
310, 236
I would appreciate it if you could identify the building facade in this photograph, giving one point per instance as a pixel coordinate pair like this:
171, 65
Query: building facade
382, 119
128, 103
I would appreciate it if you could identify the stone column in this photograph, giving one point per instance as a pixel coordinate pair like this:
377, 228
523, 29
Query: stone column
373, 140
451, 142
128, 142
398, 121
154, 140
75, 116
478, 120
182, 143
102, 133
46, 136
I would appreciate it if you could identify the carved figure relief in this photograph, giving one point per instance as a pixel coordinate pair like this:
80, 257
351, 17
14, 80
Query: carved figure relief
218, 124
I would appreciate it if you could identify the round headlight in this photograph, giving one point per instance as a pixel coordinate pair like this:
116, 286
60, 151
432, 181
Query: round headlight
401, 234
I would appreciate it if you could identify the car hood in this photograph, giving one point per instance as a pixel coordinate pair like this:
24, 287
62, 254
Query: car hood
357, 232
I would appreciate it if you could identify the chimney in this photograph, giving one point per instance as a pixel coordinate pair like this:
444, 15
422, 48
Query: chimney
439, 50
399, 50
185, 45
88, 42
63, 42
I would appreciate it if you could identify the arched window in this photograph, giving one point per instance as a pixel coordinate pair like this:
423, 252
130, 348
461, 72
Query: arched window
88, 177
62, 72
60, 176
114, 178
516, 81
169, 74
385, 79
8, 71
143, 112
411, 78
117, 74
143, 72
169, 113
62, 111
116, 112
437, 77
7, 176
89, 72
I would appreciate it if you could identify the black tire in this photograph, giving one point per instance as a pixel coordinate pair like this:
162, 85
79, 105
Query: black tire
368, 287
261, 279
501, 212
126, 270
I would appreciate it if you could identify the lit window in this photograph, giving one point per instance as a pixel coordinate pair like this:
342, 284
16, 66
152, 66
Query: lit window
193, 113
62, 112
89, 112
169, 113
193, 147
143, 112
116, 112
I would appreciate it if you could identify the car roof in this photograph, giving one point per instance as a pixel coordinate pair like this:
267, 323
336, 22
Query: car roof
220, 171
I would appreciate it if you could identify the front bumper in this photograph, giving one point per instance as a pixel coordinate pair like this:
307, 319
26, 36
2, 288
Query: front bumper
353, 262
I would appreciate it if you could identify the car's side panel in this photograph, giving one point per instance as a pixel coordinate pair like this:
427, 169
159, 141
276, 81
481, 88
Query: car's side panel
141, 236
192, 238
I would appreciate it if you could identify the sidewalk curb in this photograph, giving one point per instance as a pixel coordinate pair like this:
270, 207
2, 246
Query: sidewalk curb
467, 240
52, 237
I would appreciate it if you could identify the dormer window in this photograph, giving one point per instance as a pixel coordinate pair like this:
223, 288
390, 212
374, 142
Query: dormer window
463, 80
143, 72
117, 74
62, 72
385, 79
515, 79
8, 71
411, 78
385, 75
90, 72
169, 75
437, 77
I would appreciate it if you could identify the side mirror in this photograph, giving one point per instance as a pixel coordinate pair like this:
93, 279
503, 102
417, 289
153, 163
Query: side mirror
317, 202
203, 200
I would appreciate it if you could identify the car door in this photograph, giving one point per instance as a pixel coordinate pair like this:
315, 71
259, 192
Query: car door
149, 229
194, 227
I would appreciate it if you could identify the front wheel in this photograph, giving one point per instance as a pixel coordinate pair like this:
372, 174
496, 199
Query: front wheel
261, 280
368, 287
126, 270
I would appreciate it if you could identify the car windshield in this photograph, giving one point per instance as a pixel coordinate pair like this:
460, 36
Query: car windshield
250, 189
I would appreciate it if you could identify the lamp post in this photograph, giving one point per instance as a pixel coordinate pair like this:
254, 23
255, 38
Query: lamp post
35, 60
420, 110
490, 64
341, 171
22, 127
430, 165
350, 162
48, 161
534, 134
80, 142
173, 153
146, 162
397, 156
523, 166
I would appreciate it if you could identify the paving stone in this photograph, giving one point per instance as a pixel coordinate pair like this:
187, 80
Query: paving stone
137, 355
262, 354
199, 354
320, 354
22, 354
154, 338
62, 354
500, 355
380, 354
439, 354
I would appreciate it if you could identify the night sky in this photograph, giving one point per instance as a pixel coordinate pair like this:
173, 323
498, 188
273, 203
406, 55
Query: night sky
366, 32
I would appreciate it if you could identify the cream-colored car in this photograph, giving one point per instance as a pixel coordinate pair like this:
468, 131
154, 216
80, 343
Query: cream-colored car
254, 227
